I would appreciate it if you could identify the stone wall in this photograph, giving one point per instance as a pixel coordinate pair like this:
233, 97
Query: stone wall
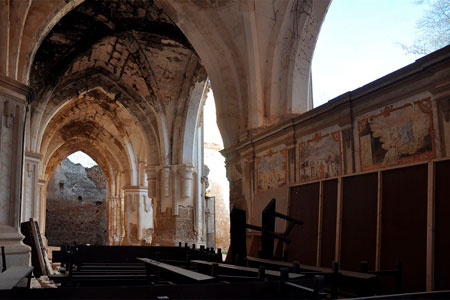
222, 215
76, 207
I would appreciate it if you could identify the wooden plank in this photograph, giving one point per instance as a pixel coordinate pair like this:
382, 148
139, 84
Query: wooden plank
379, 219
39, 246
442, 223
337, 254
430, 227
320, 222
329, 213
180, 271
246, 269
304, 206
404, 226
11, 277
270, 262
359, 222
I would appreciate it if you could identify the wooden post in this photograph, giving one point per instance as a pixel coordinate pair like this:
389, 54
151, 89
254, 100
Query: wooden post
319, 227
379, 219
337, 253
430, 227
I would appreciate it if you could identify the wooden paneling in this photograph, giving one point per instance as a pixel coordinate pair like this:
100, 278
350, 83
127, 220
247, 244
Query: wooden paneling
442, 226
329, 222
304, 206
404, 224
359, 221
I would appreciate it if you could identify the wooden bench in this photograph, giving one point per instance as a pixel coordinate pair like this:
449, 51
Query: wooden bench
246, 269
358, 275
358, 283
13, 275
195, 276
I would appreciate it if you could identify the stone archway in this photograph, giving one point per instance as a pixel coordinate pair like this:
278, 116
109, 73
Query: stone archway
103, 128
160, 51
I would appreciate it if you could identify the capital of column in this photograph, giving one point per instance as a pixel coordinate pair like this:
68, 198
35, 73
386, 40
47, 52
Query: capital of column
134, 189
33, 156
16, 90
152, 172
187, 176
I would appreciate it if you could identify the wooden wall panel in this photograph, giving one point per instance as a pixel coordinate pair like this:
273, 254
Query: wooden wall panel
359, 221
404, 224
442, 226
330, 189
304, 205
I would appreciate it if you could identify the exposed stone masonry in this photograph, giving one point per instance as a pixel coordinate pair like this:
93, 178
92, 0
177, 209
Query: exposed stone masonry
76, 208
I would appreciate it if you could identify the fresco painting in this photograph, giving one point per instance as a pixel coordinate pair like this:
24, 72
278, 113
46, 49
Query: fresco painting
320, 157
271, 170
397, 135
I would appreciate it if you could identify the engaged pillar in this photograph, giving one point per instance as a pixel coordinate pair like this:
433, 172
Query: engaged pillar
14, 97
31, 205
138, 215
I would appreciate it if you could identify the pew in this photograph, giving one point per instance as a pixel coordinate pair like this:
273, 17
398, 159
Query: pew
13, 275
187, 274
360, 283
235, 270
10, 277
107, 265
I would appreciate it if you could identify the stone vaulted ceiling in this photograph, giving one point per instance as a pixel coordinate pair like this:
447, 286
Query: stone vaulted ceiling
138, 22
133, 53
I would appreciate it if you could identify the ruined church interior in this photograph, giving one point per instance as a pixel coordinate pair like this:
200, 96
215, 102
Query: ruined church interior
348, 199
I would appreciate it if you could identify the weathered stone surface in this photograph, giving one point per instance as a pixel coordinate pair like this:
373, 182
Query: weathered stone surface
124, 82
71, 181
76, 206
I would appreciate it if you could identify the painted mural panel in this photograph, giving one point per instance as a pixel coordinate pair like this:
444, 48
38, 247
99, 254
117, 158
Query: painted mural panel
271, 169
397, 135
320, 157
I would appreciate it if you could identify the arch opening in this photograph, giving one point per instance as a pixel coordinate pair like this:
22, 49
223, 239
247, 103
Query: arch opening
76, 203
217, 188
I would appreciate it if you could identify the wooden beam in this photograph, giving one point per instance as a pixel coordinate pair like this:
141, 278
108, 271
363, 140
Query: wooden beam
379, 219
319, 225
430, 226
337, 254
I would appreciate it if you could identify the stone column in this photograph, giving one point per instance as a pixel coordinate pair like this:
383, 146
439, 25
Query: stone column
152, 181
138, 215
187, 180
14, 97
31, 205
42, 200
115, 234
166, 201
